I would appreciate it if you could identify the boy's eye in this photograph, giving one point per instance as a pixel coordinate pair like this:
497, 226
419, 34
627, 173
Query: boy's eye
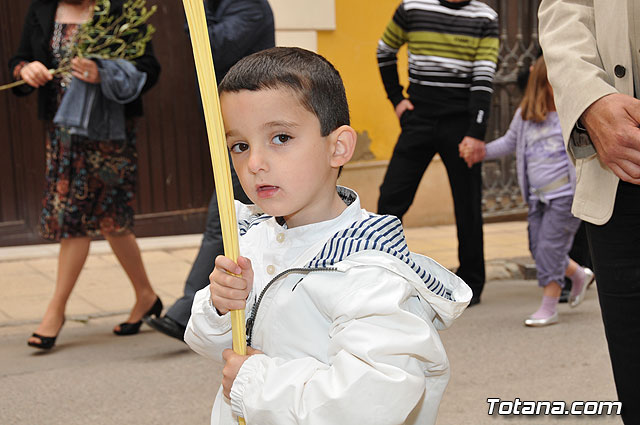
281, 139
239, 147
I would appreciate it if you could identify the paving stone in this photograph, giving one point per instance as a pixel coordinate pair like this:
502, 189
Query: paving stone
9, 269
29, 283
187, 254
46, 266
157, 257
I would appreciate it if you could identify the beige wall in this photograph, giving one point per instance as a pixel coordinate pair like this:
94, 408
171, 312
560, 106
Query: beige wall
432, 205
298, 21
352, 49
304, 14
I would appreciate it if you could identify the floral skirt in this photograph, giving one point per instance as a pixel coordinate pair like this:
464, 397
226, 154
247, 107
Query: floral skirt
89, 185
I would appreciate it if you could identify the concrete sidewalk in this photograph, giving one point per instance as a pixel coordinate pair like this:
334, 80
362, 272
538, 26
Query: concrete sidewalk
27, 274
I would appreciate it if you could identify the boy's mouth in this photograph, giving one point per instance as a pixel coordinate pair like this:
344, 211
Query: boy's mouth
266, 191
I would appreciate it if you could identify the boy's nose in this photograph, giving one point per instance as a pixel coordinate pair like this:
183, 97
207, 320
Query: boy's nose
257, 161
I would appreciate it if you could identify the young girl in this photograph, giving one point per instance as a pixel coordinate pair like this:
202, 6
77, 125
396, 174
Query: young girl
547, 181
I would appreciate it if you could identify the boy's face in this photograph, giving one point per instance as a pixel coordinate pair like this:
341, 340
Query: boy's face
284, 164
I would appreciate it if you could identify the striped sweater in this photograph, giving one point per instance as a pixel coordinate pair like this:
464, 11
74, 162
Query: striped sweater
453, 52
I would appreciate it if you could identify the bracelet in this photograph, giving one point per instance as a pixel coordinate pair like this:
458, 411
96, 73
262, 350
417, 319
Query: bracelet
580, 144
579, 127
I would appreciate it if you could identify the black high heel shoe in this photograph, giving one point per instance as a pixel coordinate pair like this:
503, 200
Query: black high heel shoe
46, 342
127, 328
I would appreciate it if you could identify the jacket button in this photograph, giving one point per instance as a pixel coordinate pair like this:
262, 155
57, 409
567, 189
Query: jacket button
620, 71
271, 269
280, 237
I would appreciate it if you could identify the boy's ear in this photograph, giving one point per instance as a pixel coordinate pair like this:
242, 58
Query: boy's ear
344, 143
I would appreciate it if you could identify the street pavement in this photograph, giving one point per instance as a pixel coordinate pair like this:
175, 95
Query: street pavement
94, 377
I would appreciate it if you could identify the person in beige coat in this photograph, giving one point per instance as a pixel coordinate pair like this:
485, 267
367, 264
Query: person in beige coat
592, 52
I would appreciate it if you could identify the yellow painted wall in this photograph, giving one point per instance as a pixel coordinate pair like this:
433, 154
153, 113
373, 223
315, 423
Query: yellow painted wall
351, 47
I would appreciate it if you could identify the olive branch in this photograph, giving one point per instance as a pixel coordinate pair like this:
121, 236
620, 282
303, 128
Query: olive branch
109, 37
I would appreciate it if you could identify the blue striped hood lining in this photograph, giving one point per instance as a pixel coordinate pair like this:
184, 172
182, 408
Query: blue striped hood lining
379, 233
245, 225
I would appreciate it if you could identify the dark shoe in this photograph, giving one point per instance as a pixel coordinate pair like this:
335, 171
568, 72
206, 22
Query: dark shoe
46, 342
474, 301
564, 295
167, 326
127, 328
566, 291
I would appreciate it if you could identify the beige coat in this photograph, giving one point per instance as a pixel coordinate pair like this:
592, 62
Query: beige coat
583, 41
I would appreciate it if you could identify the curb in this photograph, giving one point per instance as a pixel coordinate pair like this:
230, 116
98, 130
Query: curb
518, 268
157, 243
77, 318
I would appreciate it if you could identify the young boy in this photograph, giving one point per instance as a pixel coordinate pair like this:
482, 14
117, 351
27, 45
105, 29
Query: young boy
344, 315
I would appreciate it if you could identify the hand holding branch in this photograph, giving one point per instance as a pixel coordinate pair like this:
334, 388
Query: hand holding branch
35, 74
85, 70
232, 365
231, 283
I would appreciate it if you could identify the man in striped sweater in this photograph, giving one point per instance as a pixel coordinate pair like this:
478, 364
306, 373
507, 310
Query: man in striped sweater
453, 51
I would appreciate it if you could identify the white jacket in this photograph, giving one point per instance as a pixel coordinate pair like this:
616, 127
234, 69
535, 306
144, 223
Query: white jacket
347, 319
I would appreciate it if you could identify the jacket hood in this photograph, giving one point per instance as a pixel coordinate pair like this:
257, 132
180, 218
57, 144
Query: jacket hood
443, 295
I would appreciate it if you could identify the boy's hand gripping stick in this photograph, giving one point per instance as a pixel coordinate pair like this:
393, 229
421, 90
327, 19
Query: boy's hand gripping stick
197, 22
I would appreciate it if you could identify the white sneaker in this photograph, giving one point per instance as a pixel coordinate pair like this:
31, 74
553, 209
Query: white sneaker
576, 299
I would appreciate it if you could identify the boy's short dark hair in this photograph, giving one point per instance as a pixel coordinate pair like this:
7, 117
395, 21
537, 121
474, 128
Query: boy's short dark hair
308, 74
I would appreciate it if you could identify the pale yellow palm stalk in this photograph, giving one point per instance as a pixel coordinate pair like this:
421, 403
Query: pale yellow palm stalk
217, 144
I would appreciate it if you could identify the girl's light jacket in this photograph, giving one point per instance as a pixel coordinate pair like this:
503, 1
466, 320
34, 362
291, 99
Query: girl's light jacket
347, 318
514, 140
